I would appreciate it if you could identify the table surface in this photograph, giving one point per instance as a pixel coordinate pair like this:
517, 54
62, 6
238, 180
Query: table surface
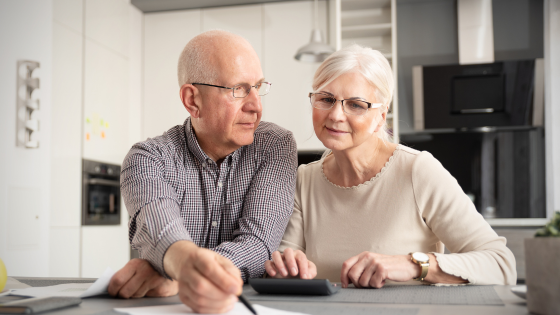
513, 305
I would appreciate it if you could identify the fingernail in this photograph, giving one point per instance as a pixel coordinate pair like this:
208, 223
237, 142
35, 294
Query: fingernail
284, 272
294, 271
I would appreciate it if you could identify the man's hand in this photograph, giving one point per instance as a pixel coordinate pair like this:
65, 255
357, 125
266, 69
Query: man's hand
208, 282
290, 264
138, 279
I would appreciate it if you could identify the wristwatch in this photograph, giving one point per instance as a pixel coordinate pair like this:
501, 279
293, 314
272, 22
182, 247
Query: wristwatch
424, 261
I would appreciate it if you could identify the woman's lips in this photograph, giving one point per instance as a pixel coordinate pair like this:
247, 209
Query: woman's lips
248, 125
336, 132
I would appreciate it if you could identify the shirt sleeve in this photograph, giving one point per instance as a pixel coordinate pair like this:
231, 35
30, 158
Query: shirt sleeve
294, 235
153, 206
479, 255
267, 208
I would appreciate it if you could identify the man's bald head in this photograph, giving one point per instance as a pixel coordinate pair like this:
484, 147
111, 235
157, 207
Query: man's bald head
203, 56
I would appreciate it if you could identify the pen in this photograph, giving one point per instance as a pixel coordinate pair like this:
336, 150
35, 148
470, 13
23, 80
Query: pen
247, 304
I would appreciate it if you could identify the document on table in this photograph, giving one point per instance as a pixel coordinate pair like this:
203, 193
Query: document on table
182, 309
81, 290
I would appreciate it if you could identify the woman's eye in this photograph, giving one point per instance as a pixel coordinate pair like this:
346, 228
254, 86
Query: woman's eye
327, 99
356, 105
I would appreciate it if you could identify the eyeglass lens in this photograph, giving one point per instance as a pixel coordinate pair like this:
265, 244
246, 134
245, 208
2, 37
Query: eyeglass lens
352, 107
243, 89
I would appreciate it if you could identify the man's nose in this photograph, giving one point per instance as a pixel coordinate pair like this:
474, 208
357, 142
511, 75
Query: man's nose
253, 101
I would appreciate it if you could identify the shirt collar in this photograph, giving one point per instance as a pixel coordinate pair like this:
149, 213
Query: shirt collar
196, 150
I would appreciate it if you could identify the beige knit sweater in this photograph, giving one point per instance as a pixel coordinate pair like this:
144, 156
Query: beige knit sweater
412, 205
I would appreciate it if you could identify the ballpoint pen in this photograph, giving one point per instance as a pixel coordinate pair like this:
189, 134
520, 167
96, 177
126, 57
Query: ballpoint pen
247, 303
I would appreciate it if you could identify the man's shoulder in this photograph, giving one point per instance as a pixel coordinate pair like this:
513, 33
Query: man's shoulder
169, 142
268, 132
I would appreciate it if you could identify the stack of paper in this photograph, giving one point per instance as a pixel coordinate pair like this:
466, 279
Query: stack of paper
81, 290
181, 309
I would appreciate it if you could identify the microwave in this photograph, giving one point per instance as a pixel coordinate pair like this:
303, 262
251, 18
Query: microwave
499, 94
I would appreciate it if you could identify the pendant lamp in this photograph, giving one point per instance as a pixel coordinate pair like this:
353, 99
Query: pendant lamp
316, 51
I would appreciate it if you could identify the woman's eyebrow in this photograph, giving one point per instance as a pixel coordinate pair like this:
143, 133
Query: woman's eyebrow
324, 92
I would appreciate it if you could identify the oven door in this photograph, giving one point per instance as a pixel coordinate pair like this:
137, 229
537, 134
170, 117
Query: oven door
102, 201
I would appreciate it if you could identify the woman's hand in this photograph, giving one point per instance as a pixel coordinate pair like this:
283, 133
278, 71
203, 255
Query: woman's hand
290, 264
371, 270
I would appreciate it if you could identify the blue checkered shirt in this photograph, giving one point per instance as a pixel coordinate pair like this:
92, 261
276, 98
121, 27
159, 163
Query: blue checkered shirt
173, 191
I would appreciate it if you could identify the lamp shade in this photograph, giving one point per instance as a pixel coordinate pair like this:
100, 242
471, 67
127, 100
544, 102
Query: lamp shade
315, 51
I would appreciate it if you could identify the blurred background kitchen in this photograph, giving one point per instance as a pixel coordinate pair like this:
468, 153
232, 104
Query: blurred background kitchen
83, 80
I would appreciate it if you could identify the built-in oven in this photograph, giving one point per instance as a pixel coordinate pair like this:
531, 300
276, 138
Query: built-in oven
101, 194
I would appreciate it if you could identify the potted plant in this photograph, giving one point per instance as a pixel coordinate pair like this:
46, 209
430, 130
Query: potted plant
542, 262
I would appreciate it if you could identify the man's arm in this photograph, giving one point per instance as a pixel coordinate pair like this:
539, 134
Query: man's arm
157, 230
266, 210
153, 206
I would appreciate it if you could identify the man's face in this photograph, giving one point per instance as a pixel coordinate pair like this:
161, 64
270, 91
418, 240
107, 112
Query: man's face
225, 121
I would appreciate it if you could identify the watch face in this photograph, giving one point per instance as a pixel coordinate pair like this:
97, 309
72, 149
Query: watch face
420, 257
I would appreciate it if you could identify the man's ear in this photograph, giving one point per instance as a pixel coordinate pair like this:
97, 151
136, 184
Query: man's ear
191, 99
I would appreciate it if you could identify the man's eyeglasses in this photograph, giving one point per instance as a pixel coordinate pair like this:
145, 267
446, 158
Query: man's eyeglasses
242, 89
350, 106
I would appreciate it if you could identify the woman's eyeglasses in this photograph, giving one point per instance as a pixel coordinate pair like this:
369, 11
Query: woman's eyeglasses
354, 107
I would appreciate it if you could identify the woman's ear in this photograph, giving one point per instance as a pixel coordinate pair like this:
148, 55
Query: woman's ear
381, 122
191, 99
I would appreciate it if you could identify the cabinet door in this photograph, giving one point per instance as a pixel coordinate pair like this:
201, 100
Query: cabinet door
243, 20
287, 27
165, 36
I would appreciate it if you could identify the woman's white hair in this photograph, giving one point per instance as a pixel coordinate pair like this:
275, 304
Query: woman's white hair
371, 64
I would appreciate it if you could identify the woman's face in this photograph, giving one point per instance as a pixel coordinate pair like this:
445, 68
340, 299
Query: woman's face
340, 131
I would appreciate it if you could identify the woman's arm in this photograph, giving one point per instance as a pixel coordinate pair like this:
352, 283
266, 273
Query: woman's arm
479, 256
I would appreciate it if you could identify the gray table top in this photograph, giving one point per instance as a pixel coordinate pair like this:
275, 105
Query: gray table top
513, 305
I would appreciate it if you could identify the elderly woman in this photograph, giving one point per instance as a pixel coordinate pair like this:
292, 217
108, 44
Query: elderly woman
370, 210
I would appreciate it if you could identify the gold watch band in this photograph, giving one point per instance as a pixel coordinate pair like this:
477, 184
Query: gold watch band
424, 273
425, 264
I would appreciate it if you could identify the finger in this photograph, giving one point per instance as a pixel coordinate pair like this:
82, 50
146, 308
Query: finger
312, 269
349, 263
121, 277
141, 282
290, 261
365, 278
202, 287
356, 271
202, 304
279, 263
302, 264
377, 280
269, 268
211, 269
167, 288
232, 270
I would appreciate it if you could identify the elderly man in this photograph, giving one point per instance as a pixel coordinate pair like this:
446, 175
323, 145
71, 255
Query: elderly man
209, 200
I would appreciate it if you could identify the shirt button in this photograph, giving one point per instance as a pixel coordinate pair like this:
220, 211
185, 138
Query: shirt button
219, 184
203, 164
214, 223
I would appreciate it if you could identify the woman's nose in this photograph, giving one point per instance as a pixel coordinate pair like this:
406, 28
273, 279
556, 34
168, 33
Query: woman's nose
337, 112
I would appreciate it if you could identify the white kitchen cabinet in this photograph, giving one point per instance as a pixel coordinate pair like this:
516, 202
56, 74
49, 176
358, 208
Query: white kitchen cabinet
165, 36
287, 104
372, 24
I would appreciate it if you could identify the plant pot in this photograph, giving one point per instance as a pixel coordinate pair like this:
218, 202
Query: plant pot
542, 263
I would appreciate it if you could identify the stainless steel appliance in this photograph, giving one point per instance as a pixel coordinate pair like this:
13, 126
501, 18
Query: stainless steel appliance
500, 94
101, 194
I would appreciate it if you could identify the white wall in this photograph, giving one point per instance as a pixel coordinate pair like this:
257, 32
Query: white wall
97, 101
66, 157
552, 103
275, 30
25, 33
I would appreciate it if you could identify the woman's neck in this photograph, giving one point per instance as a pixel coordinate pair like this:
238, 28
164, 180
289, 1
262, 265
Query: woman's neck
357, 165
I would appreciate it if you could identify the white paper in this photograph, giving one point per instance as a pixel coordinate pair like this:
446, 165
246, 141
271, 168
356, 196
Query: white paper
82, 290
181, 309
